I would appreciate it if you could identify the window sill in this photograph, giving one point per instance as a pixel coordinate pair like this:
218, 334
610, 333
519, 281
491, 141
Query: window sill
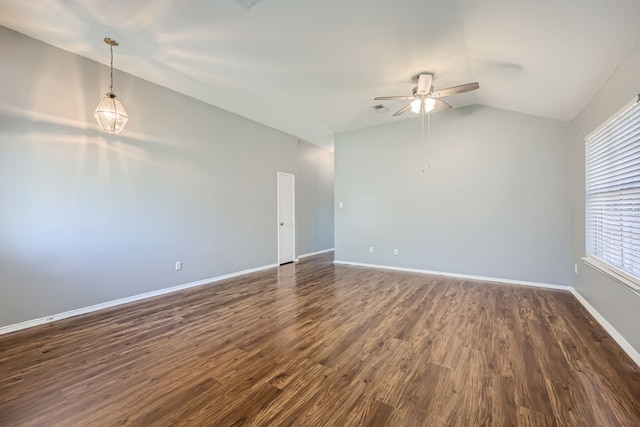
619, 276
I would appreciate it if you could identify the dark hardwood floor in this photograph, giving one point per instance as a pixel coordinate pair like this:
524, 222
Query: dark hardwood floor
315, 344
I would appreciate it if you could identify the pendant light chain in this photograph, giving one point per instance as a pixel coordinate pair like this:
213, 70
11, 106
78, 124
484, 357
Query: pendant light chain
111, 44
111, 74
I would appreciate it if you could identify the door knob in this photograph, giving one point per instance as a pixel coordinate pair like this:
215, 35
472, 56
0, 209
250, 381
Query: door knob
282, 223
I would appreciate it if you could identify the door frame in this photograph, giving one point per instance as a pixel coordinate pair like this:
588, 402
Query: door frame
293, 202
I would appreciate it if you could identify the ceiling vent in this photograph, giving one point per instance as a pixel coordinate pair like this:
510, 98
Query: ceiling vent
247, 3
380, 108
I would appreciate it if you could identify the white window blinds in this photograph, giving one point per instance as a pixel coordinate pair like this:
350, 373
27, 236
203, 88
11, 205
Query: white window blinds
613, 192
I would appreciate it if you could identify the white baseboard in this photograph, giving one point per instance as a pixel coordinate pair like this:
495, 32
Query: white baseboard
622, 342
633, 354
324, 251
457, 276
76, 312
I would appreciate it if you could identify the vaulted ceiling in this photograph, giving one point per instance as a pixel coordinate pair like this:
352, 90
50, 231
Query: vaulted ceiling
312, 68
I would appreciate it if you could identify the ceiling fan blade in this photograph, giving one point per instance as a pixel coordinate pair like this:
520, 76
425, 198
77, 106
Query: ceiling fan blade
392, 98
456, 89
441, 105
402, 110
424, 83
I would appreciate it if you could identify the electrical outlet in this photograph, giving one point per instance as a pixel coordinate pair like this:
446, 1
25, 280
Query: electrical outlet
575, 268
395, 252
178, 265
370, 249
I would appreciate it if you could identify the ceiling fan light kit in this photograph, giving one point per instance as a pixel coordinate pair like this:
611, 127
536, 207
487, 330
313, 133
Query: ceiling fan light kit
417, 105
424, 99
110, 114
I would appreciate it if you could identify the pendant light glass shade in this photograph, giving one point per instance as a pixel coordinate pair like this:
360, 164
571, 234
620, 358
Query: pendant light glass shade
111, 115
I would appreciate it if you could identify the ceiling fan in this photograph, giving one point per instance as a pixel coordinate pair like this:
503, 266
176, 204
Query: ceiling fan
424, 99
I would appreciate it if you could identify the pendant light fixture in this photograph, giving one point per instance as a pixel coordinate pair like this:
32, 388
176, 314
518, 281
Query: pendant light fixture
110, 114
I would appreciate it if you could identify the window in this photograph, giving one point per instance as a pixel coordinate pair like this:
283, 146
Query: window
613, 197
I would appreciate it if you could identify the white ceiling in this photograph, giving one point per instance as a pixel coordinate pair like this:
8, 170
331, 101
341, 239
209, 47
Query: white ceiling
312, 68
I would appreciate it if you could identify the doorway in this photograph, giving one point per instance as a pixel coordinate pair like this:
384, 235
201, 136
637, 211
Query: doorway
286, 218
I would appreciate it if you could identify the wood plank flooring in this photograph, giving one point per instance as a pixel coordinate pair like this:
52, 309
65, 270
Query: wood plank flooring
313, 344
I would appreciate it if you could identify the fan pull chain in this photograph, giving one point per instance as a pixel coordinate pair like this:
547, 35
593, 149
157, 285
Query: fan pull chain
424, 145
428, 138
426, 159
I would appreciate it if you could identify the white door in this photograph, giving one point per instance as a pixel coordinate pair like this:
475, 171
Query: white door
286, 218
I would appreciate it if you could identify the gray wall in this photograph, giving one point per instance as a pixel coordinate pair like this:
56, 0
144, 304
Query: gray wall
88, 218
616, 303
495, 202
314, 200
